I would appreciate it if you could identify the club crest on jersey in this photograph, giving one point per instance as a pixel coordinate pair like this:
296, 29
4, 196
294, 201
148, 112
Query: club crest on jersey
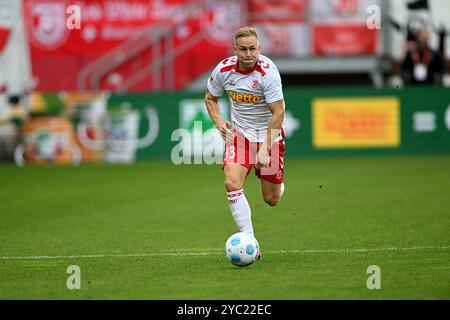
244, 97
255, 84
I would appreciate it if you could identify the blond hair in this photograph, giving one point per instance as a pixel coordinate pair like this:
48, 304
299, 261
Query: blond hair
245, 32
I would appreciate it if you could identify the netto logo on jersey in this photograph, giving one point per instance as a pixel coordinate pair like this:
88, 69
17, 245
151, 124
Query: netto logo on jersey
244, 97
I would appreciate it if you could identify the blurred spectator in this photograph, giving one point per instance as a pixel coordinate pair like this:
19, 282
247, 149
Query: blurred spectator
422, 65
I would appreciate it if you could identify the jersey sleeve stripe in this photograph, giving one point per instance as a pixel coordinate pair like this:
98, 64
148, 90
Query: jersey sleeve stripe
227, 68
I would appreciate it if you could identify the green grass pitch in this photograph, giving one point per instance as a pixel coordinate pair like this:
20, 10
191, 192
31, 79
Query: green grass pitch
156, 231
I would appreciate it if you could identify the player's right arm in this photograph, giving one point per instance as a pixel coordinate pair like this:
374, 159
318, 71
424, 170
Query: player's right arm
214, 91
212, 105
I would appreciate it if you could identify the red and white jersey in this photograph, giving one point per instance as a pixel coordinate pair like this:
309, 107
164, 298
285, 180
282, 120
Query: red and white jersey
250, 92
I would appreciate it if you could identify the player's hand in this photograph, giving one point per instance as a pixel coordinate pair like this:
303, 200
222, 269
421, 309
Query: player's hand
262, 159
225, 133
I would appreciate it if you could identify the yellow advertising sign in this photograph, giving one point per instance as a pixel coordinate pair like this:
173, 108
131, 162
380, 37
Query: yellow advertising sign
356, 122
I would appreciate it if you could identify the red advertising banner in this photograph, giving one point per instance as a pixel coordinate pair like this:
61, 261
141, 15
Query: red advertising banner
276, 11
344, 40
104, 24
132, 45
289, 40
338, 27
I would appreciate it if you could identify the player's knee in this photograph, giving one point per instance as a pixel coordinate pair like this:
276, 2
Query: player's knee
272, 200
232, 184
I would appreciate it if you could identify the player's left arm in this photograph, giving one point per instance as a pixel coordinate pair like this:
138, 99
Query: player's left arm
277, 109
273, 93
273, 130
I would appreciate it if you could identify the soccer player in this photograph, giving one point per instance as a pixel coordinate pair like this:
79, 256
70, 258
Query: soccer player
255, 136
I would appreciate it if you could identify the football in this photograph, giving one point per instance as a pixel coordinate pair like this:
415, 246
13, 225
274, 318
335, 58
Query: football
241, 249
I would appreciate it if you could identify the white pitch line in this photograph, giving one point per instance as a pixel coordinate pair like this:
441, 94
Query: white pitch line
361, 250
156, 254
218, 252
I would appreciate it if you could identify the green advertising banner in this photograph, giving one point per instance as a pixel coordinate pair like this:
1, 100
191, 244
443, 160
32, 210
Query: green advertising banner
180, 122
412, 120
319, 121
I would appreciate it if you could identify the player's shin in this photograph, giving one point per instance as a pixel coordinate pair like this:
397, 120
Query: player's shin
240, 210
